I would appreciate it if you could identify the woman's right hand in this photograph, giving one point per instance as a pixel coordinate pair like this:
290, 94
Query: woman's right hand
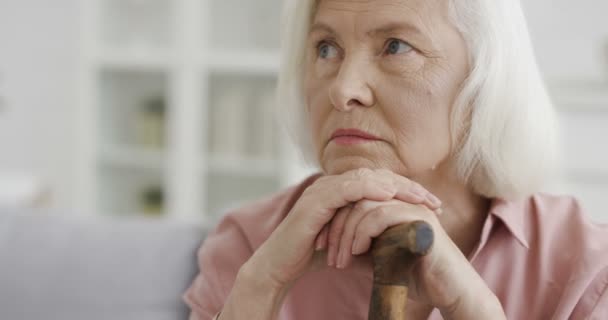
290, 252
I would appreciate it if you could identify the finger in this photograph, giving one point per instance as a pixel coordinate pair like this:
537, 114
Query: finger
335, 232
411, 191
330, 193
321, 241
378, 220
438, 211
346, 242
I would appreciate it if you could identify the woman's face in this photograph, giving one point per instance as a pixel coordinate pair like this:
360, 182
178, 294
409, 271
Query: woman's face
390, 68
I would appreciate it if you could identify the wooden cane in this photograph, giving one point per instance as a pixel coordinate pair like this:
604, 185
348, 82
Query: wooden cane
394, 254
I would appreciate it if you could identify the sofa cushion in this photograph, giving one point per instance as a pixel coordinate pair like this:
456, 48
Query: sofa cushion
59, 267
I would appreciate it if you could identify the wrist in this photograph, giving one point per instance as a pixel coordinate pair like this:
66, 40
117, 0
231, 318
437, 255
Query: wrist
258, 279
475, 304
252, 297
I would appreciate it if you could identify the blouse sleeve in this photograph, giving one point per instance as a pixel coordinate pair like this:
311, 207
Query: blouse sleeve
594, 302
600, 311
220, 257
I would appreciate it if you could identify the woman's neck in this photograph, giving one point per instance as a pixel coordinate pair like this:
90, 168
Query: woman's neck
464, 214
464, 211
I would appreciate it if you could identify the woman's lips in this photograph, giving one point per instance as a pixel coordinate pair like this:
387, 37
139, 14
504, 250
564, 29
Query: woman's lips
352, 136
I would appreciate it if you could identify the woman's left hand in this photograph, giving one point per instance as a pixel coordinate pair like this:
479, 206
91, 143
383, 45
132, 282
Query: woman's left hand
444, 278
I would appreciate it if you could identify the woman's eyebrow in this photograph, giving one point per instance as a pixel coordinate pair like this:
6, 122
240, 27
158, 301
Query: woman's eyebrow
386, 29
392, 27
321, 26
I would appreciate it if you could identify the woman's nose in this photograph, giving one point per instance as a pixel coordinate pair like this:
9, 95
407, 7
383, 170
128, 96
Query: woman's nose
351, 87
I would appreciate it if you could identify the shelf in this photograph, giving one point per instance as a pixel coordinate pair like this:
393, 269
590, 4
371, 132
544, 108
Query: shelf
132, 107
580, 95
136, 214
141, 59
132, 157
131, 190
198, 80
245, 166
253, 62
136, 22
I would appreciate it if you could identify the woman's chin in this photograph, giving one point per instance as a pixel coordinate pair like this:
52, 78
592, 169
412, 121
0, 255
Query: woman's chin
343, 164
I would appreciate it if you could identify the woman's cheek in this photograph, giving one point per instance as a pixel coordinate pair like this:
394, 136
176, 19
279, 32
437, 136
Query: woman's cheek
406, 65
326, 69
317, 115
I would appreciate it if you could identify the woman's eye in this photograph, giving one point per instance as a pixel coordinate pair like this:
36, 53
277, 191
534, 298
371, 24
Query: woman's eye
327, 51
396, 46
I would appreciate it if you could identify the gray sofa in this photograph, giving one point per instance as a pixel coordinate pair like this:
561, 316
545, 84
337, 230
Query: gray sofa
59, 267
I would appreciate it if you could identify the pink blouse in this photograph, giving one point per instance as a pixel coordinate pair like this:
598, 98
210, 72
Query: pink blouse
542, 257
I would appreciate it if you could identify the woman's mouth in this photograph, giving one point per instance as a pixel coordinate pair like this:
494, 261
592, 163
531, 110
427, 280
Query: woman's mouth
352, 136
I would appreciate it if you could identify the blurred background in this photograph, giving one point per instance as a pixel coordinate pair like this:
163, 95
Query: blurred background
163, 108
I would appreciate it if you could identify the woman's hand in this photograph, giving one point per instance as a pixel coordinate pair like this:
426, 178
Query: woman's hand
289, 252
444, 278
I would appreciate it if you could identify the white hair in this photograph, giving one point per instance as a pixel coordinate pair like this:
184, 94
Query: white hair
508, 148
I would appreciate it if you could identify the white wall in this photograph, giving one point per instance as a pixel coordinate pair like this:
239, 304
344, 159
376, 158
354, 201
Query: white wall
569, 37
571, 43
38, 60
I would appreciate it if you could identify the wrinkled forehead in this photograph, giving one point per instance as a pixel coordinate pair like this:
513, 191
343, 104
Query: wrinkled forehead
422, 13
410, 7
424, 23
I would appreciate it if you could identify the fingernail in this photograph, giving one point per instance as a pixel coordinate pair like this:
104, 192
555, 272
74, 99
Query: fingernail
354, 249
439, 211
434, 200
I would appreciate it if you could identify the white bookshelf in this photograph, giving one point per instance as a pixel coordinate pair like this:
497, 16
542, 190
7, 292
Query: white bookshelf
177, 96
260, 62
215, 62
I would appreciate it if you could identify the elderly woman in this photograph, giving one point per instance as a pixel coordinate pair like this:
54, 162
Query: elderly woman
427, 110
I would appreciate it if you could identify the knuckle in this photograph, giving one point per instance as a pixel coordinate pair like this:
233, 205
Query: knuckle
362, 173
363, 230
345, 185
415, 185
351, 190
375, 221
366, 184
363, 205
359, 206
380, 212
377, 227
385, 172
